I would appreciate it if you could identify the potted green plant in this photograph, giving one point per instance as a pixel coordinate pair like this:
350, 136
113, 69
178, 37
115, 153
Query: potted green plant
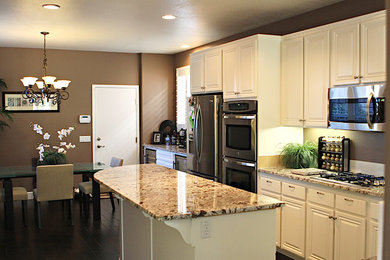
297, 156
4, 113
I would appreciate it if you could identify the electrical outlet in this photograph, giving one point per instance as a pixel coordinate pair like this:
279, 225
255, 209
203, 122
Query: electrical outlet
205, 229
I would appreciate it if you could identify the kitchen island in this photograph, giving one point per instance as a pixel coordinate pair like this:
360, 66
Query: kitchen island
168, 214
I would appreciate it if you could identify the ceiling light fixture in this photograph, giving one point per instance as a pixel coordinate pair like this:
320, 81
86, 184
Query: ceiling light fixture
49, 88
168, 17
51, 6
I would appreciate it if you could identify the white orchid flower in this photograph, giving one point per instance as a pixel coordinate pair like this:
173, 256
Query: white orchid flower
62, 143
46, 136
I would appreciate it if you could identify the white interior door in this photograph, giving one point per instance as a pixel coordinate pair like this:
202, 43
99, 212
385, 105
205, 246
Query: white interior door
115, 123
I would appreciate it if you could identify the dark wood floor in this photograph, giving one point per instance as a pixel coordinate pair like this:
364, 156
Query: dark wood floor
58, 240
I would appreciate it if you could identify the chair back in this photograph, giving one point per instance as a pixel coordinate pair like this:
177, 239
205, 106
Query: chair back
115, 162
54, 182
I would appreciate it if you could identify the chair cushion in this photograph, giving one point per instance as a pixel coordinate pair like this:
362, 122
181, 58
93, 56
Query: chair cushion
18, 193
86, 188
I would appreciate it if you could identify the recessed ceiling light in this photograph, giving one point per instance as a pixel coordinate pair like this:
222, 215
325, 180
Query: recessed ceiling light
184, 46
51, 6
168, 17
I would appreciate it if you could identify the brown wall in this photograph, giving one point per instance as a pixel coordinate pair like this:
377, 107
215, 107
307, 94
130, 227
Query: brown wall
158, 93
332, 13
83, 68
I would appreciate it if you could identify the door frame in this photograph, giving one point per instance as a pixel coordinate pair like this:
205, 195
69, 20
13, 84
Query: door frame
97, 86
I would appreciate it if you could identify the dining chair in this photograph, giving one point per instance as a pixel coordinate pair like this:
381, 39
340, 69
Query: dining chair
85, 188
54, 182
18, 193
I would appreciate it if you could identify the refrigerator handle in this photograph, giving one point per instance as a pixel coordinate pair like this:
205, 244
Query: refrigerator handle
216, 130
196, 132
200, 118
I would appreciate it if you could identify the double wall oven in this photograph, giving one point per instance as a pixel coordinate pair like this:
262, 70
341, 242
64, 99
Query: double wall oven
239, 144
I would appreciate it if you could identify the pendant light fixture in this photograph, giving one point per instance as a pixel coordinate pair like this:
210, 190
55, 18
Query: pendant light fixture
49, 88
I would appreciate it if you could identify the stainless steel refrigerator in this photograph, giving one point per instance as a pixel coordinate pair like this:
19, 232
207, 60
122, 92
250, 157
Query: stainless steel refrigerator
204, 141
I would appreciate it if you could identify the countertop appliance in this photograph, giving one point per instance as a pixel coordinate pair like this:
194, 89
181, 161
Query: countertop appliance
204, 141
182, 138
350, 178
357, 107
239, 144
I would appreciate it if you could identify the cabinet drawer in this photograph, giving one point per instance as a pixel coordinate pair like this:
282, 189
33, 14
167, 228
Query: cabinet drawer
165, 156
270, 185
321, 197
293, 190
351, 205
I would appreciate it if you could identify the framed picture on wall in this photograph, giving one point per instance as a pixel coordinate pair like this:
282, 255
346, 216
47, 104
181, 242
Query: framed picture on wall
14, 102
157, 136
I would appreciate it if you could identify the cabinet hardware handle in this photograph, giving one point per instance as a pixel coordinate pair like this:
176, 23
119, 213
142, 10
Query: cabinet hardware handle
356, 77
330, 217
360, 77
302, 120
268, 181
292, 187
349, 200
320, 193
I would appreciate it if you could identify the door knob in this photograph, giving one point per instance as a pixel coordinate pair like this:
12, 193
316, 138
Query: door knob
98, 139
100, 146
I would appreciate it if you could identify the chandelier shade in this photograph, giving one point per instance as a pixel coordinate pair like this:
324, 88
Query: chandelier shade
49, 88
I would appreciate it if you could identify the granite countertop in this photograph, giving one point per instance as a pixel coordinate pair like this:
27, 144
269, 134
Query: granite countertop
167, 194
373, 191
169, 148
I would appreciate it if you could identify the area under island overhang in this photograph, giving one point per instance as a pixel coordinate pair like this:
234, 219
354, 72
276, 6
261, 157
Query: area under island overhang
168, 214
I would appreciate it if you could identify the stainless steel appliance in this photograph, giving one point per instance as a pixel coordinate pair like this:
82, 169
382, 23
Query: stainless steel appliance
204, 142
239, 144
358, 107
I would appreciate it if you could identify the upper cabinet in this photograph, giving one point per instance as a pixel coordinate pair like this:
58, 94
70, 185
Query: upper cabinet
240, 69
206, 71
305, 80
358, 51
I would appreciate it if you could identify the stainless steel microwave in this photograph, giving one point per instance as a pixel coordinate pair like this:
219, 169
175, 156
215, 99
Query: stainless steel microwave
358, 107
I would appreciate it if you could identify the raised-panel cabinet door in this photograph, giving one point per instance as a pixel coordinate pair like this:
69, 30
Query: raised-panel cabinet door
350, 233
319, 232
197, 73
316, 79
293, 226
372, 238
345, 54
213, 70
247, 78
373, 50
230, 71
278, 210
291, 96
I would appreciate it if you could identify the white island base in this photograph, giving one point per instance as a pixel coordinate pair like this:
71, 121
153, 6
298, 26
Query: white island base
247, 235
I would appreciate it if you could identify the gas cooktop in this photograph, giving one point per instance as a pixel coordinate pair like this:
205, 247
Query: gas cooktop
349, 178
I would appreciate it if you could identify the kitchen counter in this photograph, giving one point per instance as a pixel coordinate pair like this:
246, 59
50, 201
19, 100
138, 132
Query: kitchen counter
373, 191
169, 148
166, 194
168, 214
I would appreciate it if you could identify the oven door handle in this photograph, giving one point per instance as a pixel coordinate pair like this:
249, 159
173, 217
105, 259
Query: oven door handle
252, 165
239, 117
369, 123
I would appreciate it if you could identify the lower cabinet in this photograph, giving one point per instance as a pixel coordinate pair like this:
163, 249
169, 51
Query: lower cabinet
350, 233
372, 238
180, 163
278, 211
319, 232
293, 226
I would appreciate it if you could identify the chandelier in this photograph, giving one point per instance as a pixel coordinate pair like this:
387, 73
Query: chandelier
49, 88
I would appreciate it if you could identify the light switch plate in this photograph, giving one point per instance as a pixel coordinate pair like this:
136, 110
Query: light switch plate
85, 138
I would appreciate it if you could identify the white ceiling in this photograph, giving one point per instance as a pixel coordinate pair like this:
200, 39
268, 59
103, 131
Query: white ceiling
136, 25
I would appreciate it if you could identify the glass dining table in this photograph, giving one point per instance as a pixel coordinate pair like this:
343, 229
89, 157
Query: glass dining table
8, 173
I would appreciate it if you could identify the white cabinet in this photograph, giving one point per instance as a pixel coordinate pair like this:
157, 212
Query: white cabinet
350, 233
278, 211
291, 96
319, 232
240, 69
358, 52
316, 79
206, 71
293, 226
373, 49
372, 238
305, 80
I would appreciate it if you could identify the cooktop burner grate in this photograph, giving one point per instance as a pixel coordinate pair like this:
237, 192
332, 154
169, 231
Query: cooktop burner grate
364, 180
